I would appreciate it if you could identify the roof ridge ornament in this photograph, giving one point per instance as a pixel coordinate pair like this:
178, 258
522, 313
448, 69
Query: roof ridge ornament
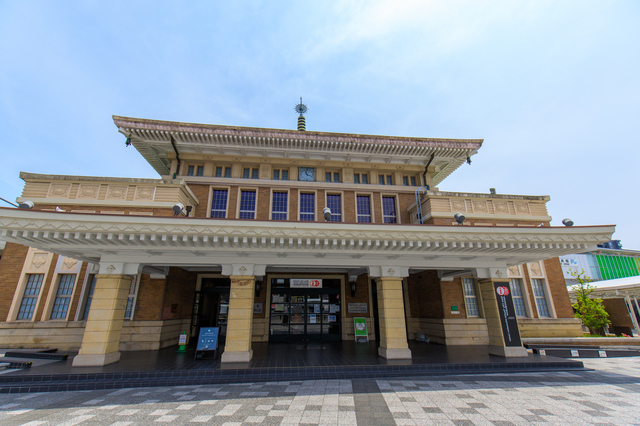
301, 109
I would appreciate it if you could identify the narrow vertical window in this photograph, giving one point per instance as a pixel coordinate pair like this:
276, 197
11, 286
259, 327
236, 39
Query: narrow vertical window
254, 173
470, 297
190, 171
131, 299
518, 298
247, 204
219, 203
285, 174
307, 207
30, 298
405, 180
541, 299
381, 179
279, 206
365, 178
356, 178
363, 209
389, 210
87, 305
327, 177
413, 181
276, 175
63, 296
200, 171
218, 171
246, 173
227, 172
335, 204
389, 180
336, 177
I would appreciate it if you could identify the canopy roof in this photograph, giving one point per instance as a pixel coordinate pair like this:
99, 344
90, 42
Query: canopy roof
152, 138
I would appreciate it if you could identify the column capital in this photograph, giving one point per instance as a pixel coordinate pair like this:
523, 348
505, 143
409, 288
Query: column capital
119, 268
388, 271
493, 274
244, 269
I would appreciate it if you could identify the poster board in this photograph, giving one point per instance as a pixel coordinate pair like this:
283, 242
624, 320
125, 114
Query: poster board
207, 342
507, 313
360, 330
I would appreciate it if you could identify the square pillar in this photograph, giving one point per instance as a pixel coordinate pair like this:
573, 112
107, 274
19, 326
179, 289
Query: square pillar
393, 330
104, 325
240, 319
504, 336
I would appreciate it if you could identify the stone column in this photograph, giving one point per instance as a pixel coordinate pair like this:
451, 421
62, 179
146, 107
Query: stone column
240, 320
104, 325
497, 344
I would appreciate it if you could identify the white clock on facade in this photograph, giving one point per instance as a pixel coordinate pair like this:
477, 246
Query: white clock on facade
307, 173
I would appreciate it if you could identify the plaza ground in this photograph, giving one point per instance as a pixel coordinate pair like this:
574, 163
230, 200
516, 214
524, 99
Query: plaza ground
608, 394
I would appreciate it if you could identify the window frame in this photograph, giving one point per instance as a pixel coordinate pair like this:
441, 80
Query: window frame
280, 172
210, 206
358, 176
387, 179
395, 201
288, 204
315, 205
92, 271
478, 301
341, 195
523, 291
371, 212
254, 172
239, 203
55, 296
36, 297
545, 288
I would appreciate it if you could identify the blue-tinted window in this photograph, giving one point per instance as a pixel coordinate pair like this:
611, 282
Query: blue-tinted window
190, 171
405, 180
276, 175
246, 173
279, 206
30, 298
87, 305
333, 202
381, 179
307, 207
218, 171
413, 181
200, 171
389, 180
219, 203
327, 177
254, 173
63, 296
356, 178
363, 208
248, 205
227, 172
389, 210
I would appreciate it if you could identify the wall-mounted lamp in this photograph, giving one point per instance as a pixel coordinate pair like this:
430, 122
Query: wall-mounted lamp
567, 222
127, 142
353, 289
327, 213
492, 191
258, 287
459, 218
177, 209
26, 205
188, 209
468, 160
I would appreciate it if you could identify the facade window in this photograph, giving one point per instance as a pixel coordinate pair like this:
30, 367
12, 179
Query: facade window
223, 171
63, 296
385, 179
247, 204
332, 177
389, 210
280, 174
279, 206
200, 171
335, 204
250, 173
360, 178
87, 305
190, 170
131, 299
541, 299
406, 180
363, 209
308, 207
30, 298
219, 203
518, 298
470, 297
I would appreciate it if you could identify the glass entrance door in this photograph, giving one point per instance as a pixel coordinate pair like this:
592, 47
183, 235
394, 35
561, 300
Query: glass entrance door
304, 314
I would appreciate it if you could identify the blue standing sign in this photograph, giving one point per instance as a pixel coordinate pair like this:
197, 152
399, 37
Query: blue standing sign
207, 340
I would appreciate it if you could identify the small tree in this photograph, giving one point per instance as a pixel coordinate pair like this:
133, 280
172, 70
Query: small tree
590, 311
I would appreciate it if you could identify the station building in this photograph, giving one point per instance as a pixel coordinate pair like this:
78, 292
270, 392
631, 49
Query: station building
280, 236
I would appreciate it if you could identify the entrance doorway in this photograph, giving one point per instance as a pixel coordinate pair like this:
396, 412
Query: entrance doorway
304, 314
211, 306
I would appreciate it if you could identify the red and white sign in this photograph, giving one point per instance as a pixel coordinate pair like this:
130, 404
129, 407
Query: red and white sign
305, 283
503, 291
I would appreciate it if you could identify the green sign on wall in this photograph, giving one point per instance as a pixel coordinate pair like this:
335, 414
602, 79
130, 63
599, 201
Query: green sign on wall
360, 328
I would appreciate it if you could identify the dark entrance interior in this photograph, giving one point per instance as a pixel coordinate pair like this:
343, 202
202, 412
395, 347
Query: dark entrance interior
211, 306
305, 314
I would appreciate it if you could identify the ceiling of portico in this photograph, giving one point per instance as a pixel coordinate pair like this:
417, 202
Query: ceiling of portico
152, 138
208, 243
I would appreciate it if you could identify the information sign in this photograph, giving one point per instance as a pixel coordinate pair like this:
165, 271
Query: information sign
507, 314
360, 328
207, 341
357, 308
305, 283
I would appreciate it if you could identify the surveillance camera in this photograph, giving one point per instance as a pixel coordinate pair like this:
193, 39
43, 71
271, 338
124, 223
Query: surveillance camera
327, 213
177, 209
27, 205
459, 218
567, 222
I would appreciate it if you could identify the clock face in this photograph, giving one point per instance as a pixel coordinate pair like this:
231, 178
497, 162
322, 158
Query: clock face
307, 173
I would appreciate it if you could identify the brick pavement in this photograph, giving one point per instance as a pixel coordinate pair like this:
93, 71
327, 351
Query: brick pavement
608, 395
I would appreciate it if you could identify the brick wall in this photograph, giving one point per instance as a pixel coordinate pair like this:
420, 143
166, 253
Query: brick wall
452, 295
361, 295
202, 194
10, 268
425, 295
264, 200
558, 288
181, 287
150, 299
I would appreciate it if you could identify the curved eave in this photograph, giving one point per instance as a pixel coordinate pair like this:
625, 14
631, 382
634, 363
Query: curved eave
88, 237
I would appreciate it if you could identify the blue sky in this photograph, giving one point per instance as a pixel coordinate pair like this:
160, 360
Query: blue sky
553, 87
